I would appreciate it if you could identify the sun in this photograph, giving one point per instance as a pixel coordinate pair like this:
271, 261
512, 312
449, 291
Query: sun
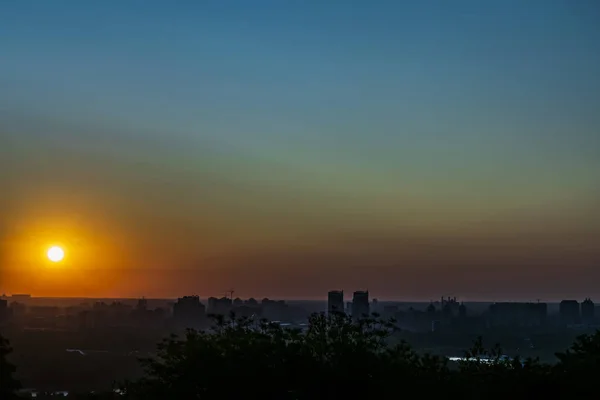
55, 254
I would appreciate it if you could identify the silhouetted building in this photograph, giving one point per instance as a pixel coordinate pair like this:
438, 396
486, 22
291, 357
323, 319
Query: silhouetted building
142, 305
3, 310
44, 311
189, 312
251, 302
360, 304
462, 310
273, 310
220, 306
335, 301
518, 314
588, 310
140, 316
569, 312
449, 307
374, 306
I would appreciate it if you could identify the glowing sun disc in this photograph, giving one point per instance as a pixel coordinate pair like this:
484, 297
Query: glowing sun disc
55, 254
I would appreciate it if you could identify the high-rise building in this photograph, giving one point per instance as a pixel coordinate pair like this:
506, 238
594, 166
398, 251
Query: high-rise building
360, 304
220, 306
188, 312
335, 301
569, 312
587, 311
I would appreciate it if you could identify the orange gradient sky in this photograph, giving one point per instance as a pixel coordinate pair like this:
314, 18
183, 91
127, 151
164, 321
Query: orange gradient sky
293, 149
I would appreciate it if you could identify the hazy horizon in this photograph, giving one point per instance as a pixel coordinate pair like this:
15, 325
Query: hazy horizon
414, 149
294, 300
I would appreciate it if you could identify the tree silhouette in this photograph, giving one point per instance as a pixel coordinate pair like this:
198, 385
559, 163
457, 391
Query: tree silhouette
8, 385
579, 367
336, 358
242, 357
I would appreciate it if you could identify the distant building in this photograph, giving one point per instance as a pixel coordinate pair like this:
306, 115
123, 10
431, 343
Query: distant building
596, 310
272, 310
220, 306
44, 311
251, 302
20, 297
335, 301
189, 312
518, 314
588, 310
360, 304
375, 307
462, 310
449, 307
3, 310
142, 305
569, 312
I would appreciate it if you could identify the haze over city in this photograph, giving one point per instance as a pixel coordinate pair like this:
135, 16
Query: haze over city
284, 149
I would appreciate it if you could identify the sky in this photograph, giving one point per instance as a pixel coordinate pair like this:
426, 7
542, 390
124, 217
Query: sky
286, 148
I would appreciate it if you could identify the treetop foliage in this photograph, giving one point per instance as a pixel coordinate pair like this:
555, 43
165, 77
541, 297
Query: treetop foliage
337, 357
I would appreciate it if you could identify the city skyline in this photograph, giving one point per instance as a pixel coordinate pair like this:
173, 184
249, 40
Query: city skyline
412, 149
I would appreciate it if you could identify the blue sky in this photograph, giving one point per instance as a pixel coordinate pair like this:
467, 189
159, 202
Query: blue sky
307, 117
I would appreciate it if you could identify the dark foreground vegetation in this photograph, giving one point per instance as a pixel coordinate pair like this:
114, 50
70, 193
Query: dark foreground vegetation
339, 359
8, 385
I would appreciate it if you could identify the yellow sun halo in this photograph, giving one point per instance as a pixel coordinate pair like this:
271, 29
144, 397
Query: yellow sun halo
55, 254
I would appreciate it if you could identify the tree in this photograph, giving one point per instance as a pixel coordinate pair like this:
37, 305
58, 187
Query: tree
8, 385
335, 357
578, 366
584, 354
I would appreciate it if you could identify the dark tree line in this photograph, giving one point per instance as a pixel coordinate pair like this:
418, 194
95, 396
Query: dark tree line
8, 384
337, 358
